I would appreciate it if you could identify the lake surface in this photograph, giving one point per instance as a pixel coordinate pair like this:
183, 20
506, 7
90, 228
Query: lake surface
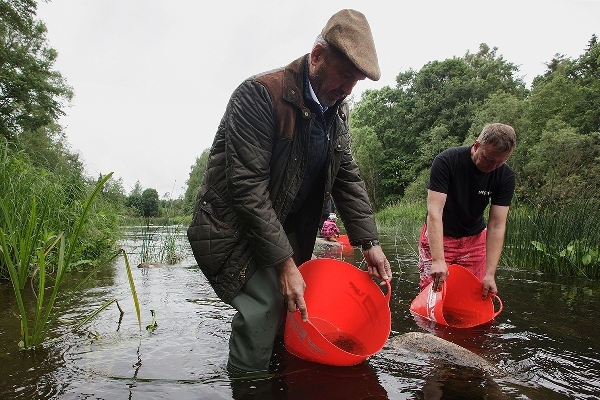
546, 341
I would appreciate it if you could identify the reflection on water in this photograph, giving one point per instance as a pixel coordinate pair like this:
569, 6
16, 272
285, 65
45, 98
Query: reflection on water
545, 342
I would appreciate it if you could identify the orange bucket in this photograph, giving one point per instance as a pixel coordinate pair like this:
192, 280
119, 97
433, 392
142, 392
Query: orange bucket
459, 303
345, 242
343, 239
349, 316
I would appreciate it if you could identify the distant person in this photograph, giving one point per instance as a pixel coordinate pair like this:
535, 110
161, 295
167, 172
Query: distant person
463, 181
282, 147
330, 230
329, 208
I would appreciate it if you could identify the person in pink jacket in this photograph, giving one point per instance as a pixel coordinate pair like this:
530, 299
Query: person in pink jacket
330, 230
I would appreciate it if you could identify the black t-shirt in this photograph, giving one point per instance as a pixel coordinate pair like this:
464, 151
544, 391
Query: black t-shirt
468, 190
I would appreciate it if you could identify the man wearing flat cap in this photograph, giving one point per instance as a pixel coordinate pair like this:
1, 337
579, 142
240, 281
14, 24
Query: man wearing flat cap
281, 149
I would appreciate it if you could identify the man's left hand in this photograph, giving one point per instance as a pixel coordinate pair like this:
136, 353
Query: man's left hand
378, 264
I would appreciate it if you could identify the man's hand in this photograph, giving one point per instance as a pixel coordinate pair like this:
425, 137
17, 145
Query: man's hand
489, 285
439, 273
378, 264
291, 287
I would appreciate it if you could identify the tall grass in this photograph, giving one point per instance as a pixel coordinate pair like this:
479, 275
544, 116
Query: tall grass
25, 254
404, 219
59, 198
563, 239
161, 244
49, 224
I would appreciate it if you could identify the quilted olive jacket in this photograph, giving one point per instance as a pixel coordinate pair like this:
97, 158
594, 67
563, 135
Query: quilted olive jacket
255, 169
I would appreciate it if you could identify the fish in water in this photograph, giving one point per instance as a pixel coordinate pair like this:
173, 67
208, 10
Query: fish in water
442, 349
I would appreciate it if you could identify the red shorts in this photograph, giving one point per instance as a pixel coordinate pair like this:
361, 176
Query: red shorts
468, 251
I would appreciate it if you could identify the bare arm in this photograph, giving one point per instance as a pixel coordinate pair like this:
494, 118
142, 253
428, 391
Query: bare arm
435, 234
496, 229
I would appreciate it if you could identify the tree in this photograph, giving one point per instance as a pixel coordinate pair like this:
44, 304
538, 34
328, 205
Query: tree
555, 97
588, 69
150, 203
113, 191
134, 200
32, 95
368, 152
195, 180
47, 147
385, 111
569, 90
553, 176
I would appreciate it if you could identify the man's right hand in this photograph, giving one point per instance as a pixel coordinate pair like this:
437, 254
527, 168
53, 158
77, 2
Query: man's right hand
439, 273
291, 287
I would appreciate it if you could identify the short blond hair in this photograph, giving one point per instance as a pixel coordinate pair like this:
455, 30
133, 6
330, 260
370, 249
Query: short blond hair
501, 136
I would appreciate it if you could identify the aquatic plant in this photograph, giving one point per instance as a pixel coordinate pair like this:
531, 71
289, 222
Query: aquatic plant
134, 296
161, 243
34, 255
563, 238
407, 217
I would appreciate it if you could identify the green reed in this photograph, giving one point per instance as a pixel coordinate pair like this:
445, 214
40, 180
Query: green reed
25, 253
161, 239
563, 238
134, 296
33, 254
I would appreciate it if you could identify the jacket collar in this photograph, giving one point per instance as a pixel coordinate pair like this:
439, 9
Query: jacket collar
293, 82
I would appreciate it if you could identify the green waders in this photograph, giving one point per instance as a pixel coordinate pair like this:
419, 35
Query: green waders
254, 327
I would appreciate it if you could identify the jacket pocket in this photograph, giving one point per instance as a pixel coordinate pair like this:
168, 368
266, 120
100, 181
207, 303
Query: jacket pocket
214, 232
342, 142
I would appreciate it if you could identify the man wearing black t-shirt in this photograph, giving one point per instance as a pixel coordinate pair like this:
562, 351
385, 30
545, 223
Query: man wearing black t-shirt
462, 182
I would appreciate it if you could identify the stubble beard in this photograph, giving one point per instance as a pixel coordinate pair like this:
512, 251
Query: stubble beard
317, 83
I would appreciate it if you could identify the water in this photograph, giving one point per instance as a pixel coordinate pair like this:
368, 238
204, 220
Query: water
545, 340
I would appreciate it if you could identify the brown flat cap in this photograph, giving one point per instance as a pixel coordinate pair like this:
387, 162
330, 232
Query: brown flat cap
349, 32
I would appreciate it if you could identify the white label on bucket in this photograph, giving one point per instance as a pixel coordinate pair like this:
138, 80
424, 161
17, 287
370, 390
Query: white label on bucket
431, 298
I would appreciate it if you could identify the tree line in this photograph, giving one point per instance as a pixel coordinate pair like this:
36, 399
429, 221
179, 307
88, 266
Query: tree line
397, 131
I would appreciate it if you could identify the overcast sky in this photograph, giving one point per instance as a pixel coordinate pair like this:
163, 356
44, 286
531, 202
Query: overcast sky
152, 77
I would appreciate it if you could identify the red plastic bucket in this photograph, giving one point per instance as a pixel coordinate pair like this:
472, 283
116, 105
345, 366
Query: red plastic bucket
343, 239
349, 316
459, 304
345, 242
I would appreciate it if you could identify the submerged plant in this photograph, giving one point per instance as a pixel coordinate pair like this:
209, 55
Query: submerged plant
153, 325
161, 244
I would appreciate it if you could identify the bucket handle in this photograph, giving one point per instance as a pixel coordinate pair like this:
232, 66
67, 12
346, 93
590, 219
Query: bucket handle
388, 294
494, 296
